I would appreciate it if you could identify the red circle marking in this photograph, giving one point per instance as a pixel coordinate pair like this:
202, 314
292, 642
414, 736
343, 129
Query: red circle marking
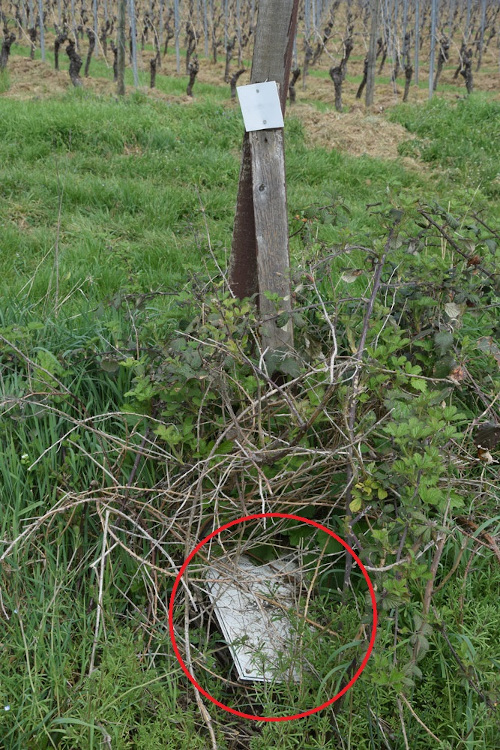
223, 705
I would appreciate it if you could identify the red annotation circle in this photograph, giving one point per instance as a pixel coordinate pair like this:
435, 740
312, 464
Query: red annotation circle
303, 713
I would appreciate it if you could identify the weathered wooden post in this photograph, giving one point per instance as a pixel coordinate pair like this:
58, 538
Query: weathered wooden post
260, 253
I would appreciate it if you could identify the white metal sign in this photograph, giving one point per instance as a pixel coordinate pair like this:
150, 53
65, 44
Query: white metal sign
260, 106
250, 604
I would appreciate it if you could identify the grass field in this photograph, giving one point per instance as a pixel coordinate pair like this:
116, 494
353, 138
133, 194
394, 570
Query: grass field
115, 224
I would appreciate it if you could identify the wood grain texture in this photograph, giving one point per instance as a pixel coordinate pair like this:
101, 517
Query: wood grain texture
243, 267
260, 226
272, 55
271, 232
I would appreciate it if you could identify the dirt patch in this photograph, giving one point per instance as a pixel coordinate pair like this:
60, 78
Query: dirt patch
33, 79
355, 132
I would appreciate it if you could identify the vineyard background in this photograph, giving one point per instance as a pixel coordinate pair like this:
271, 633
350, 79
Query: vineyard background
464, 36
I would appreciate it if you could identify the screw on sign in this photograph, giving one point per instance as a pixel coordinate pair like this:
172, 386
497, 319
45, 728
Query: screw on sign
257, 517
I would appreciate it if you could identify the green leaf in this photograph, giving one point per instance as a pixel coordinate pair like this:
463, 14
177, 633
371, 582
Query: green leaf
431, 495
298, 320
443, 341
170, 434
282, 319
288, 364
355, 505
419, 385
444, 366
332, 545
109, 364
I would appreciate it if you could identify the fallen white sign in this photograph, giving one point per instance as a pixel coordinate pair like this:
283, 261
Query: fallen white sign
250, 604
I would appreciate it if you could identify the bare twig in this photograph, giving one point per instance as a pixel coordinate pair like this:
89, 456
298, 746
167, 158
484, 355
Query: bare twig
101, 593
353, 400
424, 726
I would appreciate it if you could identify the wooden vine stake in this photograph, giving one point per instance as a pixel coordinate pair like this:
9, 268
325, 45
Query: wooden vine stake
260, 263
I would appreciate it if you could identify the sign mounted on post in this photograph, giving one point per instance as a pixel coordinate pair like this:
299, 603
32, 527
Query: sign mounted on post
260, 263
260, 106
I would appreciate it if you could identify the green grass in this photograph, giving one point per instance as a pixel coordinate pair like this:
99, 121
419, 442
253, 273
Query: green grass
103, 202
125, 174
4, 81
136, 180
460, 138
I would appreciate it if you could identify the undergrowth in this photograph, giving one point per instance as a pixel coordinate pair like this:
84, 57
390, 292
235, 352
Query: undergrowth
124, 439
139, 412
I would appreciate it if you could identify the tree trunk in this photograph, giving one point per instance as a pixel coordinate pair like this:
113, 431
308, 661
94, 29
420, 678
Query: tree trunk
91, 37
291, 87
466, 71
338, 74
60, 39
32, 36
234, 80
444, 49
75, 64
7, 43
408, 68
408, 77
114, 50
153, 63
362, 85
190, 44
229, 56
104, 37
194, 67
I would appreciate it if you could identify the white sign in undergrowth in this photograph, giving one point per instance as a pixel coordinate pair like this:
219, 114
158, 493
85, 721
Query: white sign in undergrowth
250, 604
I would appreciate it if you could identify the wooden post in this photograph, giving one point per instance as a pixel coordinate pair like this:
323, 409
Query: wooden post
260, 253
271, 233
